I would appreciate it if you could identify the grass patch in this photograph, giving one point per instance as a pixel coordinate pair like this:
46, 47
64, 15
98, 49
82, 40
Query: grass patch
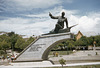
61, 52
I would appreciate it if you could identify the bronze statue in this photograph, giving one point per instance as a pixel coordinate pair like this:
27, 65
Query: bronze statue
60, 22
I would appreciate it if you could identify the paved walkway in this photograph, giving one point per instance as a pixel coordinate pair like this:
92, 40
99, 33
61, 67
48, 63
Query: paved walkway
4, 62
78, 56
89, 58
46, 65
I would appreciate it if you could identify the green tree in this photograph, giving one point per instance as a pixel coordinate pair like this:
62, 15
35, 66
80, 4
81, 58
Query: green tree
26, 43
97, 39
78, 42
90, 40
31, 39
4, 37
84, 40
70, 44
20, 41
4, 46
11, 33
61, 45
62, 62
13, 40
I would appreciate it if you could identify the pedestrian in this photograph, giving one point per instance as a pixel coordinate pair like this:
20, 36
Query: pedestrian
12, 58
8, 59
54, 54
3, 58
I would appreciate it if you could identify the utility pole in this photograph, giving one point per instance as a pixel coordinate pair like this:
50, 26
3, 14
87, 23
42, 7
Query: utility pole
94, 45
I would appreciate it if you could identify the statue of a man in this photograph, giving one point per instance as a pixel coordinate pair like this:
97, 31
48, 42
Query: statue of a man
60, 23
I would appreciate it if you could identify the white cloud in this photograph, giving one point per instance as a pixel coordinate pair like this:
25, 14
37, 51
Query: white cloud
86, 23
26, 26
27, 5
37, 3
42, 23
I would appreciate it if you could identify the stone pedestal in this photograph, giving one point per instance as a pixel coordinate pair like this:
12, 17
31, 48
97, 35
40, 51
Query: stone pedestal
40, 48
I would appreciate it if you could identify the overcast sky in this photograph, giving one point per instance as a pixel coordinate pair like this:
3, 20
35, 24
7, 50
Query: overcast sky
31, 17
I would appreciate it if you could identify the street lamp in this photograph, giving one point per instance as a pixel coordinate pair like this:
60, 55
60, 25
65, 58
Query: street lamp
94, 45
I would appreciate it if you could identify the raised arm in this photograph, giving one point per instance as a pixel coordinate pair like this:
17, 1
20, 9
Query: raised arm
66, 22
53, 17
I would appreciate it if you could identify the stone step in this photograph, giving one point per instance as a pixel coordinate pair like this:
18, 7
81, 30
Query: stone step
32, 63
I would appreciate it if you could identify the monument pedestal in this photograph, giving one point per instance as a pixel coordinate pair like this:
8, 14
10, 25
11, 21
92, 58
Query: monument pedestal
40, 48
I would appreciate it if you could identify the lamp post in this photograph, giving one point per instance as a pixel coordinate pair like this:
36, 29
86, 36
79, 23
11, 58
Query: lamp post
12, 45
94, 45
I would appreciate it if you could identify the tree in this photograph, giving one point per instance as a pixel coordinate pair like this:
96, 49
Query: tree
85, 41
31, 39
70, 44
2, 52
62, 62
11, 33
61, 45
4, 37
13, 40
79, 42
90, 40
4, 46
97, 39
20, 41
24, 44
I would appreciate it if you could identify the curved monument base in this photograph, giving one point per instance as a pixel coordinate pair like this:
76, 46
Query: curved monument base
40, 48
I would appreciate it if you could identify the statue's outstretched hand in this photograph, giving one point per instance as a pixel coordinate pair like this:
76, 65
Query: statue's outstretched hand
50, 14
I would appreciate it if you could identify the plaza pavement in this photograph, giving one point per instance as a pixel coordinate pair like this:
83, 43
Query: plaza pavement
79, 56
75, 59
47, 64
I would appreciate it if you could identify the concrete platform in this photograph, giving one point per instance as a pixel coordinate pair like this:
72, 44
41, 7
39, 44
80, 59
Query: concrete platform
39, 49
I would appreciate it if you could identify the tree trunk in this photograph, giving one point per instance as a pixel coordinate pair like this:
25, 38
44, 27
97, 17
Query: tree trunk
5, 51
62, 65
